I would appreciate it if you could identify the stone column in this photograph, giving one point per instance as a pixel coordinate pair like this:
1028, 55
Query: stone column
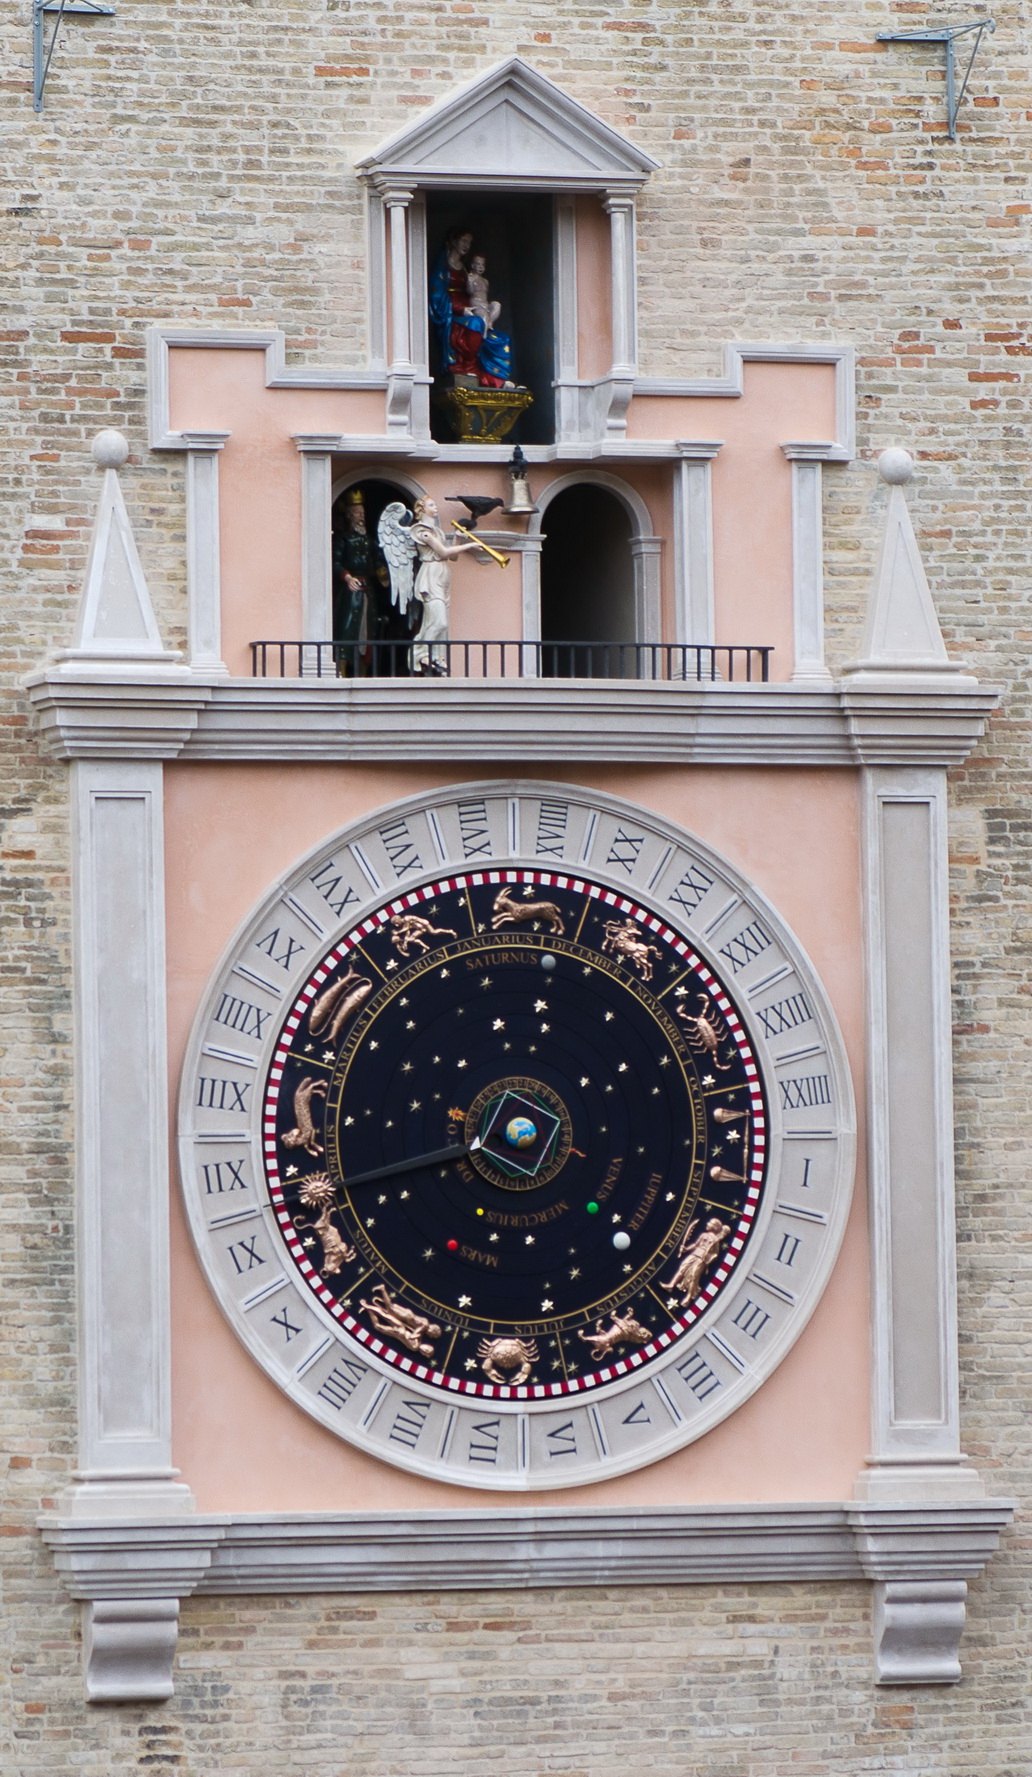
400, 370
316, 451
808, 561
694, 618
203, 563
619, 385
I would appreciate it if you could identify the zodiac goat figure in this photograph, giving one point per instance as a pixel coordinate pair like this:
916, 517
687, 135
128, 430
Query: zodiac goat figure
507, 912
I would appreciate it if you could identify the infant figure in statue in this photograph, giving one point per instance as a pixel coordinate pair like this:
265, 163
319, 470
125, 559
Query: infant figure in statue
478, 290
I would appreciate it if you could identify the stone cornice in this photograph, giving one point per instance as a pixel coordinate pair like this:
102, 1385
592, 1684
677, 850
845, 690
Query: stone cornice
110, 714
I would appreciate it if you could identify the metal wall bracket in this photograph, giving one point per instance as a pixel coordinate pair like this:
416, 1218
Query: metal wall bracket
947, 34
41, 54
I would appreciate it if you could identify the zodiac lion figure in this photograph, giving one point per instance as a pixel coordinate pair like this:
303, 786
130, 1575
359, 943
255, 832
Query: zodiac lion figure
318, 1192
706, 1031
304, 1135
625, 938
696, 1257
333, 1008
507, 912
412, 1330
625, 1330
408, 930
498, 1355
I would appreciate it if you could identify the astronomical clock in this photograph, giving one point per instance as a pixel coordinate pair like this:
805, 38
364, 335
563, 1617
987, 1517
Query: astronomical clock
516, 1136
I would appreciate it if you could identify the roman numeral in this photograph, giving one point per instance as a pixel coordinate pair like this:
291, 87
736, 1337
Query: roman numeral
240, 1015
806, 1174
284, 1322
409, 1422
790, 1244
551, 832
563, 1440
749, 942
245, 1255
224, 1175
483, 1441
399, 846
751, 1319
330, 887
808, 1089
785, 1014
222, 1095
473, 826
638, 1415
626, 849
691, 889
282, 951
695, 1372
341, 1383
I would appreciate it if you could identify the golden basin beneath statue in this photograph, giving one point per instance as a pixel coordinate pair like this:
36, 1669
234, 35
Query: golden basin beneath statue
484, 416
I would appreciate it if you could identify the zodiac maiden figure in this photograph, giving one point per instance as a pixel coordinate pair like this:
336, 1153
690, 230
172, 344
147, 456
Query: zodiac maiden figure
470, 344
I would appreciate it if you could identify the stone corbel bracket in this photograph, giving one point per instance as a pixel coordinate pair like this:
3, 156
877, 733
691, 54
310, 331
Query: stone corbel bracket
131, 1575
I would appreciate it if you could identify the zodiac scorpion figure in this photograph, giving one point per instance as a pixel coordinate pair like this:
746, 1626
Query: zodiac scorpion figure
408, 930
304, 1135
696, 1257
412, 1330
625, 938
507, 912
706, 1031
625, 1330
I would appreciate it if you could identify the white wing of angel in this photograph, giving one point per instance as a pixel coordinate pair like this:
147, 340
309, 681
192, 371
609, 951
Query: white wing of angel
399, 550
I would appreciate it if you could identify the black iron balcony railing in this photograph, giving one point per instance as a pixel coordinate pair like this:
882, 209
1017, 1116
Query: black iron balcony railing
667, 661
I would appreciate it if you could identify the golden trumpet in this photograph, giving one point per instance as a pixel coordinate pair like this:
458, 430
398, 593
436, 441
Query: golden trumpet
502, 560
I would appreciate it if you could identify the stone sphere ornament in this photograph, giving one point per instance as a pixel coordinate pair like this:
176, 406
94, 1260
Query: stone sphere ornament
896, 466
110, 449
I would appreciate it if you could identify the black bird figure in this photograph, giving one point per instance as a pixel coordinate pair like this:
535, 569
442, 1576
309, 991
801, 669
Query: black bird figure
477, 505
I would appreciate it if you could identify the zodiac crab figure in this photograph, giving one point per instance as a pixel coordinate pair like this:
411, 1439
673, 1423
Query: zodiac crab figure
624, 1330
414, 1331
696, 1257
517, 1356
625, 939
706, 1032
507, 912
409, 931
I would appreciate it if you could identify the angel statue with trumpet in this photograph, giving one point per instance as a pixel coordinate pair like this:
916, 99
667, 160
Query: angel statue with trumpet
410, 537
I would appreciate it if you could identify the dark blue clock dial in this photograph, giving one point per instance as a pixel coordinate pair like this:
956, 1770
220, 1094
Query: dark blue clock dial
515, 1133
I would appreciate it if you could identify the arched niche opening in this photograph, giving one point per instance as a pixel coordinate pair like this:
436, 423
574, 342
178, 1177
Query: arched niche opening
588, 586
371, 636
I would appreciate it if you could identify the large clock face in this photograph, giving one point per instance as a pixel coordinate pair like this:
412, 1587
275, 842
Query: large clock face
533, 1191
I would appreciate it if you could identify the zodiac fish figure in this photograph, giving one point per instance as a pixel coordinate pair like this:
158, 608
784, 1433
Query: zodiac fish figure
625, 938
696, 1257
408, 930
318, 1192
412, 1330
512, 1355
706, 1032
625, 1330
507, 912
304, 1135
339, 1003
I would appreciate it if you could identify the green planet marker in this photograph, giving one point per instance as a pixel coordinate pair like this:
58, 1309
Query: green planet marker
593, 1209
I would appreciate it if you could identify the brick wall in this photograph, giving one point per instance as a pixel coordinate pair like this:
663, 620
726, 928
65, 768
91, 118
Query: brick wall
193, 163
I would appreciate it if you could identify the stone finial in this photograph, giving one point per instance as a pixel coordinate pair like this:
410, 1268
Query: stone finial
902, 633
116, 618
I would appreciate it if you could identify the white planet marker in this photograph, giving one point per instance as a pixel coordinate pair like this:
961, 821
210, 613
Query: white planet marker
621, 1241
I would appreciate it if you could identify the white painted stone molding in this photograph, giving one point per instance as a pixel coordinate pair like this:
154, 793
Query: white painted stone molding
902, 634
915, 1450
673, 722
510, 126
808, 560
125, 1466
316, 450
203, 551
115, 621
919, 1557
693, 542
129, 1645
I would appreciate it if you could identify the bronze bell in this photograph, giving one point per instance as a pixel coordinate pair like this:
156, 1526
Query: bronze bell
520, 498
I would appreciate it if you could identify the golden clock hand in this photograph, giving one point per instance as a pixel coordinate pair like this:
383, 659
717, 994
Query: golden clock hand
437, 1158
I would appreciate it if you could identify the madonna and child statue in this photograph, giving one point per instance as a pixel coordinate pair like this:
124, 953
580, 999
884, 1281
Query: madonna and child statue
484, 401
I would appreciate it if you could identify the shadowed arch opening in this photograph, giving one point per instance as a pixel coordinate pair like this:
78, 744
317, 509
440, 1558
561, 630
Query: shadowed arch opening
587, 574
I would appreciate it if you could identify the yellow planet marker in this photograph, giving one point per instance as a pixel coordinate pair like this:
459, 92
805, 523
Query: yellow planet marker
480, 1212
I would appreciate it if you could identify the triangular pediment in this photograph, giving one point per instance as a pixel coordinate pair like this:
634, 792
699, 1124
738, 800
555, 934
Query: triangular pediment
511, 127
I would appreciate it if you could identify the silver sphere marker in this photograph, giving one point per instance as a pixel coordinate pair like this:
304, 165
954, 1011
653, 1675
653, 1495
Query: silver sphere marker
621, 1241
548, 961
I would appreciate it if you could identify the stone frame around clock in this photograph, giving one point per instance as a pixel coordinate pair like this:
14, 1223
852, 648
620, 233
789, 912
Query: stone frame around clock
729, 905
